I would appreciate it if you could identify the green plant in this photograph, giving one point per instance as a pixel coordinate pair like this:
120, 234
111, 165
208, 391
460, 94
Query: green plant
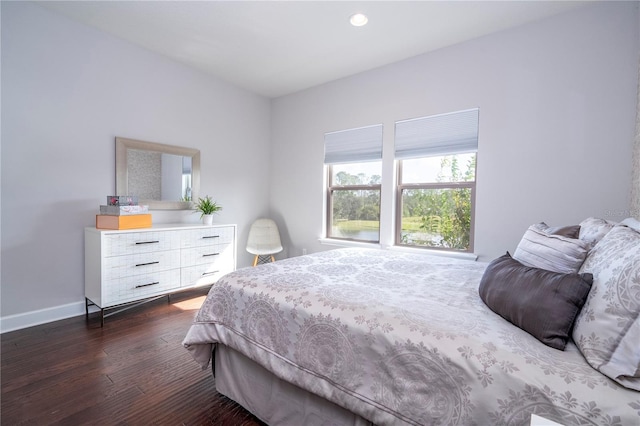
206, 206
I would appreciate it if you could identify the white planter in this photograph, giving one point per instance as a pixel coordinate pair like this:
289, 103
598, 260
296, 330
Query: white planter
207, 219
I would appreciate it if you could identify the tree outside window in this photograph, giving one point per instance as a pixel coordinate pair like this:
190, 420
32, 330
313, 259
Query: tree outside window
354, 201
436, 197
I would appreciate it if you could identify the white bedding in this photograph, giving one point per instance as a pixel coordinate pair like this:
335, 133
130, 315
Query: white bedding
401, 339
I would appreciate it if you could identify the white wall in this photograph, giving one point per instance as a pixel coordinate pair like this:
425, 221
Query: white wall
557, 103
67, 92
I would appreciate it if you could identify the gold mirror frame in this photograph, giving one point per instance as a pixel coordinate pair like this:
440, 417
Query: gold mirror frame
122, 171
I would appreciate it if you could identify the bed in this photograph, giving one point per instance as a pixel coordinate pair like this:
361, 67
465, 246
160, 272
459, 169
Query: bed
365, 336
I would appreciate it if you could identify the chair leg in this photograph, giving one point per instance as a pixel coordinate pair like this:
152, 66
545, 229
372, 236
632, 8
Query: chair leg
262, 259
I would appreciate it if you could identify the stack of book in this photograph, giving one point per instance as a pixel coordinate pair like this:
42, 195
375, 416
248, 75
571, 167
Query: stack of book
123, 212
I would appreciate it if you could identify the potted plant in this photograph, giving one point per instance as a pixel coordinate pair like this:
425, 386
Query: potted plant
207, 207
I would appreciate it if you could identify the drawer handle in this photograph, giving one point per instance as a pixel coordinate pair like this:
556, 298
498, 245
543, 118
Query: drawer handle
204, 274
147, 285
211, 254
148, 263
211, 236
147, 242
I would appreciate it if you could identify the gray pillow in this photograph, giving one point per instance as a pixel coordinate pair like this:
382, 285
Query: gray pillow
571, 231
607, 331
543, 303
548, 248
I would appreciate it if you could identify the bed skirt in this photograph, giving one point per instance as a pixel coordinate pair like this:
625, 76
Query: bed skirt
272, 400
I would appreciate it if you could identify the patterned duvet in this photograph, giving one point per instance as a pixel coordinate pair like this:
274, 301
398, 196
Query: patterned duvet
401, 339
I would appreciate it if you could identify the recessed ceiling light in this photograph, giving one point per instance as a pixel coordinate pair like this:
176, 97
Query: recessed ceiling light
358, 19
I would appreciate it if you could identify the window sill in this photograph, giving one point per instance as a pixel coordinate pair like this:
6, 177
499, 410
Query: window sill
452, 254
345, 243
443, 253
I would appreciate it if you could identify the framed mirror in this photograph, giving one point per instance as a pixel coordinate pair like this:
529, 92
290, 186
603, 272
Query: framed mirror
164, 177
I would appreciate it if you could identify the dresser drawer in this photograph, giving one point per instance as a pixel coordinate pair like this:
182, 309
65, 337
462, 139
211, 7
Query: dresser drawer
203, 274
139, 286
207, 236
117, 267
139, 242
207, 254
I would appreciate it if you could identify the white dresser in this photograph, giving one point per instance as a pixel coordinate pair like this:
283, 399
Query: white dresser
122, 267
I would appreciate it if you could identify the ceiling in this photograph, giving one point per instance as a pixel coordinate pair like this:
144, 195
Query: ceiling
275, 48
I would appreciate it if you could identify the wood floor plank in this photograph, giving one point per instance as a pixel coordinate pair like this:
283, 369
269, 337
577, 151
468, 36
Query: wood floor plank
133, 371
28, 372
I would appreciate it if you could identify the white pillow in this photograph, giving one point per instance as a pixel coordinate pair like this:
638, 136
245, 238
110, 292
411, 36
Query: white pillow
594, 229
541, 248
607, 330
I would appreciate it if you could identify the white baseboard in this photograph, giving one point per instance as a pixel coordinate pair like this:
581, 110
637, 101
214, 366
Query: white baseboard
42, 316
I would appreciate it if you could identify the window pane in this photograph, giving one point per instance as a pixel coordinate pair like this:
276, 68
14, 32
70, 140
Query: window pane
356, 214
356, 174
436, 218
447, 168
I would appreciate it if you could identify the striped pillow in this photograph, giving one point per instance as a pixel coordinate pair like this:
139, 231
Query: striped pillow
541, 248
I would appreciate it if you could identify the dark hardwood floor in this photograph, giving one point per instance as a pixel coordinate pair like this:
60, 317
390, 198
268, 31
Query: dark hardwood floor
134, 371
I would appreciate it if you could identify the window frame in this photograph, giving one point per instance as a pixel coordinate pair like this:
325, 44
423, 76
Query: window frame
331, 188
400, 187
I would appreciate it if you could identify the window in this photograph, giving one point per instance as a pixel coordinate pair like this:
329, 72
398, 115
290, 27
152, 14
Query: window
354, 201
436, 181
354, 169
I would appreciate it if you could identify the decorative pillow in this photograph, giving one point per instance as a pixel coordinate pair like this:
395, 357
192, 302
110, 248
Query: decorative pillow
542, 303
541, 248
572, 231
607, 331
593, 229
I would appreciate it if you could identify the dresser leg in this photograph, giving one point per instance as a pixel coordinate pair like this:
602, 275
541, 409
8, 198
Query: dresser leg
86, 309
101, 317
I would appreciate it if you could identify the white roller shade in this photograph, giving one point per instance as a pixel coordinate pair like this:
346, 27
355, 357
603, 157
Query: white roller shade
443, 134
353, 145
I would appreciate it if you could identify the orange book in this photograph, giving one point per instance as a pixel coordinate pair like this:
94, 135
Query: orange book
133, 221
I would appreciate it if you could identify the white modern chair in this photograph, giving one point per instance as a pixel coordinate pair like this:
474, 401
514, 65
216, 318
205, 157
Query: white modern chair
264, 241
